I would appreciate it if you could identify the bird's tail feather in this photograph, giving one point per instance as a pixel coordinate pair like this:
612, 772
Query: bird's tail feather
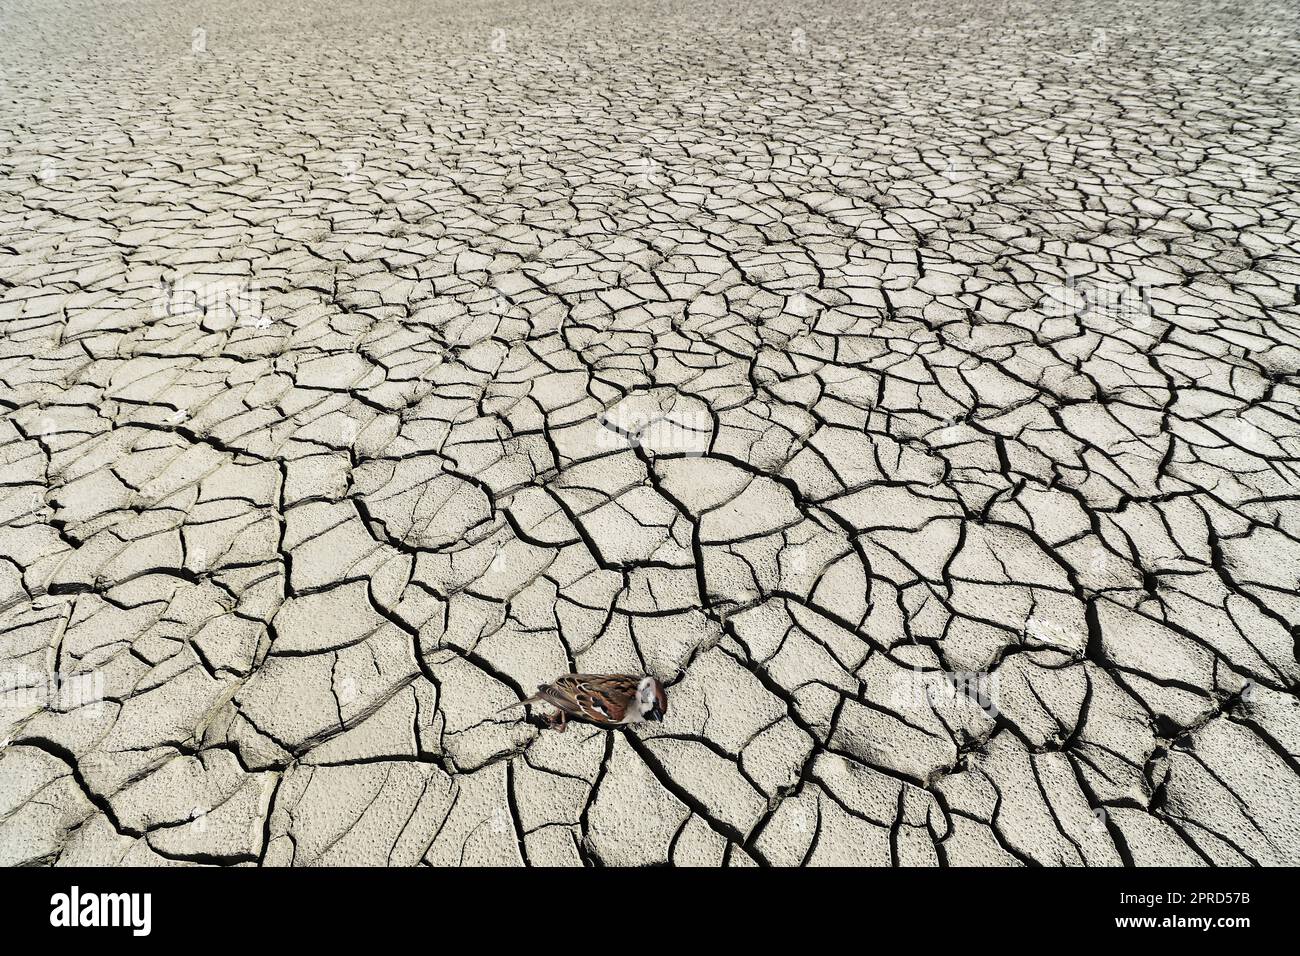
521, 703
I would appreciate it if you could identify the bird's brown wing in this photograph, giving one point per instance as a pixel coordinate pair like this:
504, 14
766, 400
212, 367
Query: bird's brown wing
600, 698
558, 695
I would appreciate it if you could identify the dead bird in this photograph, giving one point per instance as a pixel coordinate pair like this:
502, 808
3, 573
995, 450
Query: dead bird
607, 700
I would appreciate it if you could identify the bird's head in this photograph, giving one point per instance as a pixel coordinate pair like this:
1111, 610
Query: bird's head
652, 699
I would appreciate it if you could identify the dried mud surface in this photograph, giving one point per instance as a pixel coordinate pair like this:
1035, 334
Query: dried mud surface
913, 390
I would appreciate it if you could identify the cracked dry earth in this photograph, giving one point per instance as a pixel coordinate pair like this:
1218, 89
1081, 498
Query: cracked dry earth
913, 390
